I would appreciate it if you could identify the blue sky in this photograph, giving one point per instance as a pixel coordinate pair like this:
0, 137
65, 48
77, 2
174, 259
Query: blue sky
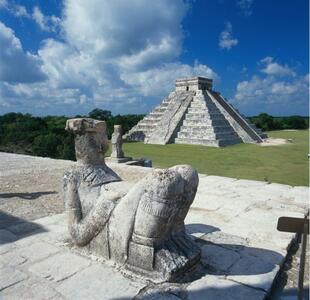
72, 56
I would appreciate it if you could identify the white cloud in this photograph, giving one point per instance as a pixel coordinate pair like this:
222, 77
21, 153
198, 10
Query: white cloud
273, 68
15, 64
3, 3
46, 23
226, 40
119, 55
245, 7
159, 81
273, 94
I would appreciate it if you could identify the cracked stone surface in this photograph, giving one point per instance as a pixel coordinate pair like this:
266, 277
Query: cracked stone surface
233, 221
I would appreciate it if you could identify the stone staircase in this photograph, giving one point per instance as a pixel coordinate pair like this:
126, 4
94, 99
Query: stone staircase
144, 128
195, 114
204, 124
246, 131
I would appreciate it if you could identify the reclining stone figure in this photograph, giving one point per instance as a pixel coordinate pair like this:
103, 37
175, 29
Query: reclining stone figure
139, 226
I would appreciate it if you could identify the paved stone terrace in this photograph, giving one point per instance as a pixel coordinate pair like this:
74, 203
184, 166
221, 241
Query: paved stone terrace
234, 221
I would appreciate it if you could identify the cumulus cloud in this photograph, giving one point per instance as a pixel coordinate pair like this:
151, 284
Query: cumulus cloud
46, 23
159, 81
226, 40
15, 64
112, 53
273, 68
274, 93
245, 7
15, 9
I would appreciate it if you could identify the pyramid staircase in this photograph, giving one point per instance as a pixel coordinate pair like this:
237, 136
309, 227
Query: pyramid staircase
204, 124
144, 128
195, 114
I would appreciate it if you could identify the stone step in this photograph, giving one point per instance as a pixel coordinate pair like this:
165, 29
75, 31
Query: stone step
203, 110
149, 121
144, 127
207, 142
206, 128
159, 109
155, 114
204, 116
212, 143
205, 122
207, 135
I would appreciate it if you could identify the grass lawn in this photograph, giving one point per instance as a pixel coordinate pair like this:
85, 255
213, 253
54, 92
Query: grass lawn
287, 164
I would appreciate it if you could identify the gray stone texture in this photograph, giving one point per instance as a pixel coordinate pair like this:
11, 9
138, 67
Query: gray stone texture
103, 283
140, 226
225, 216
195, 114
10, 276
59, 266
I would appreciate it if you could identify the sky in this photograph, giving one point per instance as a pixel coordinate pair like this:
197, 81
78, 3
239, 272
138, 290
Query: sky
69, 57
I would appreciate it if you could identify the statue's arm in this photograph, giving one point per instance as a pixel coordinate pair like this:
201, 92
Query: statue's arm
84, 228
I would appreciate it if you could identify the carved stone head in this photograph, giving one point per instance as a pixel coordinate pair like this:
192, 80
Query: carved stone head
91, 141
118, 129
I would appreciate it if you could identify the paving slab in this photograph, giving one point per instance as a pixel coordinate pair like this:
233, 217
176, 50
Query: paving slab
59, 266
10, 276
214, 287
99, 282
233, 221
30, 289
36, 251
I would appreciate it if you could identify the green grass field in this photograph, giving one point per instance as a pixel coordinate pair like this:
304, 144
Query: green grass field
287, 164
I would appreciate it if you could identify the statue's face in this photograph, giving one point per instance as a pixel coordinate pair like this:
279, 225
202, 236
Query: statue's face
100, 142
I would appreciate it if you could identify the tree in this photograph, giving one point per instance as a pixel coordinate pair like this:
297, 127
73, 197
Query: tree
100, 114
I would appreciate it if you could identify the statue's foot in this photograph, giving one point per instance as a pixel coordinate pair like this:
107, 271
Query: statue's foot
178, 255
165, 262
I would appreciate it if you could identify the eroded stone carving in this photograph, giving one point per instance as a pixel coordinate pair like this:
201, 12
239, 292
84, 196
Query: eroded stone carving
117, 154
139, 226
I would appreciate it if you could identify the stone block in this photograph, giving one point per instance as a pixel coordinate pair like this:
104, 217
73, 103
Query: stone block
36, 251
99, 282
219, 258
30, 289
59, 266
254, 271
10, 276
6, 241
12, 259
215, 287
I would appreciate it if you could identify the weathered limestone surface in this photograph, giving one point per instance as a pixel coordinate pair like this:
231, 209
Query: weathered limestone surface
140, 227
195, 114
234, 222
117, 154
167, 128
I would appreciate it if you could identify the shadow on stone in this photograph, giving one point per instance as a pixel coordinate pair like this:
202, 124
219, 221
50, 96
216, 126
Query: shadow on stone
289, 294
200, 228
11, 226
26, 196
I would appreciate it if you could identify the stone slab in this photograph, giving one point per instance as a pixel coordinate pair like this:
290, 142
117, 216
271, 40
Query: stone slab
10, 276
215, 287
99, 282
59, 266
30, 289
233, 220
36, 251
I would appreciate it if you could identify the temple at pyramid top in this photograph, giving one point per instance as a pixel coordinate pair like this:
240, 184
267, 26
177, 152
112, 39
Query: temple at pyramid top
195, 114
193, 84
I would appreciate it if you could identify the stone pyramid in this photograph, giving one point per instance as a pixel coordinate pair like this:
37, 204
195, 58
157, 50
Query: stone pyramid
195, 114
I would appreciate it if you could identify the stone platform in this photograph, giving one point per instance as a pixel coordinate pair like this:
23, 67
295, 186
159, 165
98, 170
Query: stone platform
234, 222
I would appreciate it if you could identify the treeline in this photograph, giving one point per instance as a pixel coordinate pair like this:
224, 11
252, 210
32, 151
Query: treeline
267, 122
46, 136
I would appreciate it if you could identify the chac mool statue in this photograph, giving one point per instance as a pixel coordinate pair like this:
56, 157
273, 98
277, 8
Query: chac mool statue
139, 226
